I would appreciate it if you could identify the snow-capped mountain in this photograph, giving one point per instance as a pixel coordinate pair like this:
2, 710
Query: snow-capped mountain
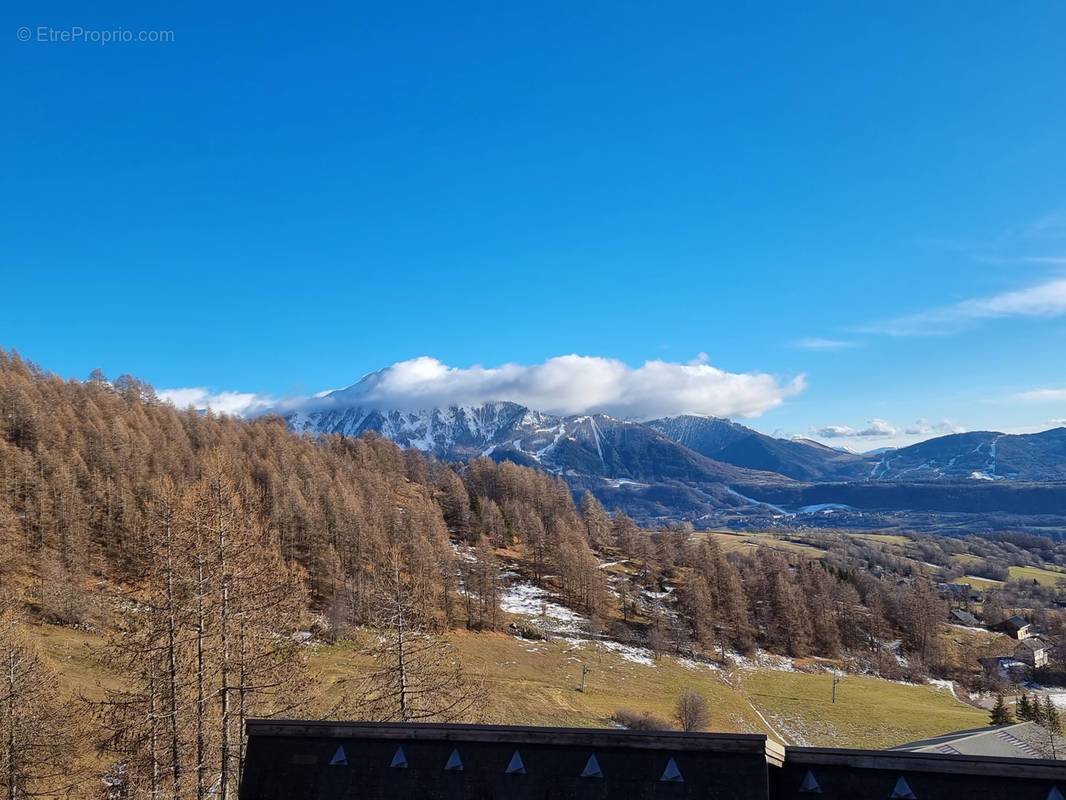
715, 471
580, 445
455, 433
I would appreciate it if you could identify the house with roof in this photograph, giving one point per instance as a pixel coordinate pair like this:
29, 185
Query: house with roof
1015, 627
962, 617
963, 592
1033, 652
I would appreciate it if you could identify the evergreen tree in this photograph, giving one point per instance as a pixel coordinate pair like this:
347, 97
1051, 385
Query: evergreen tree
1024, 710
1049, 716
1000, 713
1052, 724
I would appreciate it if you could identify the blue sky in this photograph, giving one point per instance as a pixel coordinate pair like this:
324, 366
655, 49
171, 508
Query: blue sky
279, 201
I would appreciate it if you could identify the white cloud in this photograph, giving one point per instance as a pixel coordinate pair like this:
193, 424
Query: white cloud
1059, 422
575, 384
1046, 299
874, 428
817, 343
1043, 396
569, 384
199, 397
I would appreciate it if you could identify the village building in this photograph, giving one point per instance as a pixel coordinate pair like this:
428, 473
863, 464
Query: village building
1033, 652
962, 617
964, 592
1015, 627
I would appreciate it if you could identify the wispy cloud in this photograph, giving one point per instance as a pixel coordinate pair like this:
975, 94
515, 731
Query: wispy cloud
818, 343
1046, 299
1051, 226
1042, 396
569, 384
924, 427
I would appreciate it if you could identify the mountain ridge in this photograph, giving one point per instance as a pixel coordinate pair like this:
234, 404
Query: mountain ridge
714, 471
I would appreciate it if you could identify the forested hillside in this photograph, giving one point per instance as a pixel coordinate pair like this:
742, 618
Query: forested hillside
209, 550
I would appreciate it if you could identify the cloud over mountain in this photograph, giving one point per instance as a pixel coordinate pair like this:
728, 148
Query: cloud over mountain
569, 384
874, 428
200, 397
882, 428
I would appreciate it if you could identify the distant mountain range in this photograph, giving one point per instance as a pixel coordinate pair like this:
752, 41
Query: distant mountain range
717, 472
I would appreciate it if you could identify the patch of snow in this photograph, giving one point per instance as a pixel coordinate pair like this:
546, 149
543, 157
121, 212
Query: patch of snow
979, 578
1057, 699
766, 722
616, 483
823, 508
943, 684
560, 432
764, 660
657, 595
688, 663
528, 600
638, 655
755, 502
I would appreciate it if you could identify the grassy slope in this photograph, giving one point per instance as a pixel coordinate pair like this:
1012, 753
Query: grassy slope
1045, 577
867, 713
730, 542
536, 683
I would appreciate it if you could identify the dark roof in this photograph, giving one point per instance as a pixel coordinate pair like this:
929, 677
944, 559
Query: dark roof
324, 760
1033, 643
965, 616
841, 774
291, 760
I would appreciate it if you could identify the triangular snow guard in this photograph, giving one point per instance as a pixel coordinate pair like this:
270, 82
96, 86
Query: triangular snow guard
592, 768
809, 784
672, 773
516, 765
902, 791
455, 764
